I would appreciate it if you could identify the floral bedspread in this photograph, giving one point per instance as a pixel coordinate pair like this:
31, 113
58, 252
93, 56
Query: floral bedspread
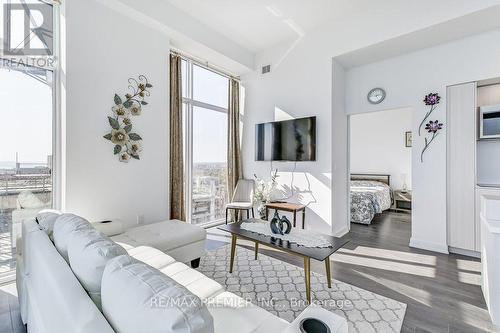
368, 198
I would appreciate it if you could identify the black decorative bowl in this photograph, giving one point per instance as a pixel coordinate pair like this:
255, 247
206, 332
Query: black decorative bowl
311, 325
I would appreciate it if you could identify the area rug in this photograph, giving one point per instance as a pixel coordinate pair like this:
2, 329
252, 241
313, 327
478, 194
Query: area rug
279, 288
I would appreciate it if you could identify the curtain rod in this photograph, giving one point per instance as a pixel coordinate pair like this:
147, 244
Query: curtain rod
205, 64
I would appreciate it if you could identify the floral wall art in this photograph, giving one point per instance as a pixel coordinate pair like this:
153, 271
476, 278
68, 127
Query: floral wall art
432, 127
127, 143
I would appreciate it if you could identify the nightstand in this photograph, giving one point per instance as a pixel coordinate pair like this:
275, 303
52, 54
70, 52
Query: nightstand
402, 201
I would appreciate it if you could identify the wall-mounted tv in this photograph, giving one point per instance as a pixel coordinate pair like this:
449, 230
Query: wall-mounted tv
288, 140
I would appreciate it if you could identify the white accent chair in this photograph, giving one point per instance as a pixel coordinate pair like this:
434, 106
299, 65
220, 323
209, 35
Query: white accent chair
242, 198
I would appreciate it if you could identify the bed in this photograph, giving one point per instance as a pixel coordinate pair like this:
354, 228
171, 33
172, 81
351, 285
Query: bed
370, 195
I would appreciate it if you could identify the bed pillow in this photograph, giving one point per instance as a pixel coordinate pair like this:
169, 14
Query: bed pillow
46, 219
64, 227
88, 252
139, 298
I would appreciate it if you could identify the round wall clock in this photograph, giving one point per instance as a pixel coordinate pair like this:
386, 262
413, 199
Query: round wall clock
376, 95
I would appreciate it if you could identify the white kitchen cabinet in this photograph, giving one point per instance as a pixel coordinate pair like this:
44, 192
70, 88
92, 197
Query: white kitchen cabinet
489, 212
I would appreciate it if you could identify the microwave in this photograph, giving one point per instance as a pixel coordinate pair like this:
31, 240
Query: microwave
489, 122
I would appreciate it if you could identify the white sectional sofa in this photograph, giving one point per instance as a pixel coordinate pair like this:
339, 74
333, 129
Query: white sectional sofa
54, 291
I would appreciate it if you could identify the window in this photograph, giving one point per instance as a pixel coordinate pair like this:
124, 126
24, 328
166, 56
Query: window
26, 154
205, 105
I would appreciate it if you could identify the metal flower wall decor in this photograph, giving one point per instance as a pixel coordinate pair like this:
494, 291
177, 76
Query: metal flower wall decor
432, 127
432, 100
127, 144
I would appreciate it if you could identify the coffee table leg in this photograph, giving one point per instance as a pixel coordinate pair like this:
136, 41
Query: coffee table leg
307, 273
256, 250
328, 272
233, 250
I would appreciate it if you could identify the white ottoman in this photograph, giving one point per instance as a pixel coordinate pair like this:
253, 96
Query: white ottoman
182, 241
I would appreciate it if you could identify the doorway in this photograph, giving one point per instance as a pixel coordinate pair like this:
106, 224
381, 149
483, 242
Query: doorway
380, 161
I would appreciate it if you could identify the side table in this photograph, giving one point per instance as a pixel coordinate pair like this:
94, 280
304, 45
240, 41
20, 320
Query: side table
288, 207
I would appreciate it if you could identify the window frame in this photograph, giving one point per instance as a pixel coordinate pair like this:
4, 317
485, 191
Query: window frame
57, 172
189, 102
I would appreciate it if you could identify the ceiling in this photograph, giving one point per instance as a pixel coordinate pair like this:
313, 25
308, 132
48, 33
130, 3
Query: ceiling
259, 24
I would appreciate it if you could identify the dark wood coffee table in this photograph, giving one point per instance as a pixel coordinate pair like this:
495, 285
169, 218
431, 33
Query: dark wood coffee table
308, 253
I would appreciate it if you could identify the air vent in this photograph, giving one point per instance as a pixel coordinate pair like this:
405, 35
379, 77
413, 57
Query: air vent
266, 69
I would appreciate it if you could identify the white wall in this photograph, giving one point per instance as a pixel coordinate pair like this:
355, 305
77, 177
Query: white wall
300, 84
103, 50
267, 100
377, 145
341, 215
407, 79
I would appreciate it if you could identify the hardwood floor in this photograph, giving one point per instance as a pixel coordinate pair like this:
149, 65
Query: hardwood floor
442, 292
10, 317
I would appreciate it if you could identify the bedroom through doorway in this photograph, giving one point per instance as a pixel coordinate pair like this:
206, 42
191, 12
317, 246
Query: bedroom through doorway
380, 163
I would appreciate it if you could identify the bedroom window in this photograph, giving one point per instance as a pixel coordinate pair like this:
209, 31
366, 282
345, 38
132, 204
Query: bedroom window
205, 107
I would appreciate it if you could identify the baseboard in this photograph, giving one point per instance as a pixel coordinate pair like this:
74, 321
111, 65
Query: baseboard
341, 232
463, 252
424, 245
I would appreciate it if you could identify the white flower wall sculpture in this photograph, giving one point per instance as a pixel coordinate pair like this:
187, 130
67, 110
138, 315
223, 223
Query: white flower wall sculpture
127, 144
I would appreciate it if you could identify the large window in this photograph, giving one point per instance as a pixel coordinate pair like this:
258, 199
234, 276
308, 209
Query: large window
205, 104
26, 154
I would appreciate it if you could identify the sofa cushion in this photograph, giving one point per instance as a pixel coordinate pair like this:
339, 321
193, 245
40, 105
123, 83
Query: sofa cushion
46, 219
151, 256
138, 298
88, 252
230, 311
64, 227
194, 281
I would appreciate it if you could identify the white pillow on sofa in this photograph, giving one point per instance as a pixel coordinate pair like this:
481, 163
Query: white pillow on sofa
46, 219
88, 252
139, 298
64, 227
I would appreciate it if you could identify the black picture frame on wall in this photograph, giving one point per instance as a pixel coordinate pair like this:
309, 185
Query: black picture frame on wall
408, 139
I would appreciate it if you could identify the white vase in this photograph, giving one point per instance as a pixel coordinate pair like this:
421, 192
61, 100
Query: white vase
261, 208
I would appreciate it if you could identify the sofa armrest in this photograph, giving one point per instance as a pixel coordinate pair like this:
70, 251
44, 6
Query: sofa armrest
113, 228
336, 323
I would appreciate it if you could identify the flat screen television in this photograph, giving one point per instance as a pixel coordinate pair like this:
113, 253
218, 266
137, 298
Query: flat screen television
288, 140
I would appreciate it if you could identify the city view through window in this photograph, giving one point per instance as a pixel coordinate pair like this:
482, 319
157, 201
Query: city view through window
205, 111
26, 154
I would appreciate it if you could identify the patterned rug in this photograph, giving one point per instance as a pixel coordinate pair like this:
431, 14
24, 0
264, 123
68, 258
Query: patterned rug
279, 288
